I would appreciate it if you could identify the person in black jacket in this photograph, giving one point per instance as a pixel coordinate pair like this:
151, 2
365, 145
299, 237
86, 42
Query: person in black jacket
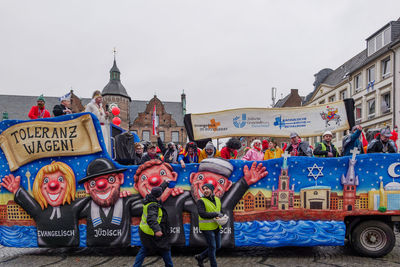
154, 228
150, 154
63, 108
382, 143
326, 148
170, 152
298, 147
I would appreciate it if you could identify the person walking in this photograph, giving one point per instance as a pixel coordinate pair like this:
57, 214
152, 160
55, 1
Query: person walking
326, 148
209, 207
154, 228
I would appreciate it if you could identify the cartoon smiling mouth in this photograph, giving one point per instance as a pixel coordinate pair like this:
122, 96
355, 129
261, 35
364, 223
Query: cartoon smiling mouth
53, 197
103, 196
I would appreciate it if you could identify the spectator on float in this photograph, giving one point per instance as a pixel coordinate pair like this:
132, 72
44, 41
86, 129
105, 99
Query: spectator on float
265, 145
298, 147
95, 106
39, 111
382, 143
150, 154
273, 151
255, 153
170, 153
210, 151
326, 148
64, 107
139, 153
230, 150
352, 140
189, 155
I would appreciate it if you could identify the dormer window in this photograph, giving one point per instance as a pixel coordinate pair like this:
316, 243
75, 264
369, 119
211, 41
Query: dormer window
379, 40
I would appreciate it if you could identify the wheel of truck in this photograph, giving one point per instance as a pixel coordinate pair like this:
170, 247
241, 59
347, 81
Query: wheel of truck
373, 238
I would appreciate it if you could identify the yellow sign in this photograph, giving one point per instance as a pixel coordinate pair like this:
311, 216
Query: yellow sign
28, 141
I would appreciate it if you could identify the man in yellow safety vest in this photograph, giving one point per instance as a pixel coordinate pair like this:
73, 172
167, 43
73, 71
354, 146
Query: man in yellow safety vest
209, 207
154, 228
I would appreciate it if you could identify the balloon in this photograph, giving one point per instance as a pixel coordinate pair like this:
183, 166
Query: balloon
115, 111
116, 121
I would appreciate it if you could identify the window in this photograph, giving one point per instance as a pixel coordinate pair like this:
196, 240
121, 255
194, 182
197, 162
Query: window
371, 74
358, 112
371, 108
322, 102
146, 135
343, 94
357, 82
385, 106
162, 135
379, 41
385, 67
175, 137
331, 99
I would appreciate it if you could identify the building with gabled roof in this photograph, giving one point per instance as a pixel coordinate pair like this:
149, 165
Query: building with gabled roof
371, 78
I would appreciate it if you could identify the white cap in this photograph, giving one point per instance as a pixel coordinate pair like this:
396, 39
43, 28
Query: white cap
327, 132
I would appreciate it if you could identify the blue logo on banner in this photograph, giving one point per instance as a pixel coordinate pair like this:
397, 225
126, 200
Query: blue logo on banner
239, 123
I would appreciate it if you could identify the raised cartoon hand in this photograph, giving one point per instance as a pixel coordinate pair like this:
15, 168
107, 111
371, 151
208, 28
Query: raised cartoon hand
256, 173
11, 183
176, 191
125, 193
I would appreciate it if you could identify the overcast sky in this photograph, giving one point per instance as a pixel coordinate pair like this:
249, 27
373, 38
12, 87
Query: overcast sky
224, 54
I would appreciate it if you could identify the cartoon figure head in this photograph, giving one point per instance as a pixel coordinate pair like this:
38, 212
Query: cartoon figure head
103, 182
152, 174
215, 171
54, 185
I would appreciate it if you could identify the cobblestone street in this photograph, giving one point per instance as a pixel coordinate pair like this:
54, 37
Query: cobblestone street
287, 256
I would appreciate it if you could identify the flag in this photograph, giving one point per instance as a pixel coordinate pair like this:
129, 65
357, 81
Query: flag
154, 120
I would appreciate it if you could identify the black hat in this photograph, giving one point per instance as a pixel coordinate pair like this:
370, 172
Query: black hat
99, 167
156, 191
210, 186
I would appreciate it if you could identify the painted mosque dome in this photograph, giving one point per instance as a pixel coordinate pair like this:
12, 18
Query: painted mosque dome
392, 186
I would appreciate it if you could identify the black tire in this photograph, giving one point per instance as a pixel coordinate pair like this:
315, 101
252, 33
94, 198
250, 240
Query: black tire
373, 239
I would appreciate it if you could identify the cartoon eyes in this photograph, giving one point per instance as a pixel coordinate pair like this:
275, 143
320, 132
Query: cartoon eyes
221, 181
111, 179
92, 183
61, 179
144, 177
46, 180
200, 177
163, 172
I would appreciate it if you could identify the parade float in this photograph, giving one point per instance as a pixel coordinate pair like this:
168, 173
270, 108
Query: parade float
60, 188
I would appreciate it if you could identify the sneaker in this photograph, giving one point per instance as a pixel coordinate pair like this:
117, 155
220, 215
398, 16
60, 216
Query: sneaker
199, 260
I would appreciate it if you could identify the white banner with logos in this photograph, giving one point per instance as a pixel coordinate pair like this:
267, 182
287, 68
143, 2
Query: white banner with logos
271, 122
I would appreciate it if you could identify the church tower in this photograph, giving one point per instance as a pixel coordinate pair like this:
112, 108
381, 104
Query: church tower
115, 92
350, 183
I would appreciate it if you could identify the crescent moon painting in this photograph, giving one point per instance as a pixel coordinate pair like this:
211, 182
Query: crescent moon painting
391, 170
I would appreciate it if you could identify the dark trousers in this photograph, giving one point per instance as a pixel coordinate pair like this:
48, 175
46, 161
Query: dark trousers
165, 254
213, 238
